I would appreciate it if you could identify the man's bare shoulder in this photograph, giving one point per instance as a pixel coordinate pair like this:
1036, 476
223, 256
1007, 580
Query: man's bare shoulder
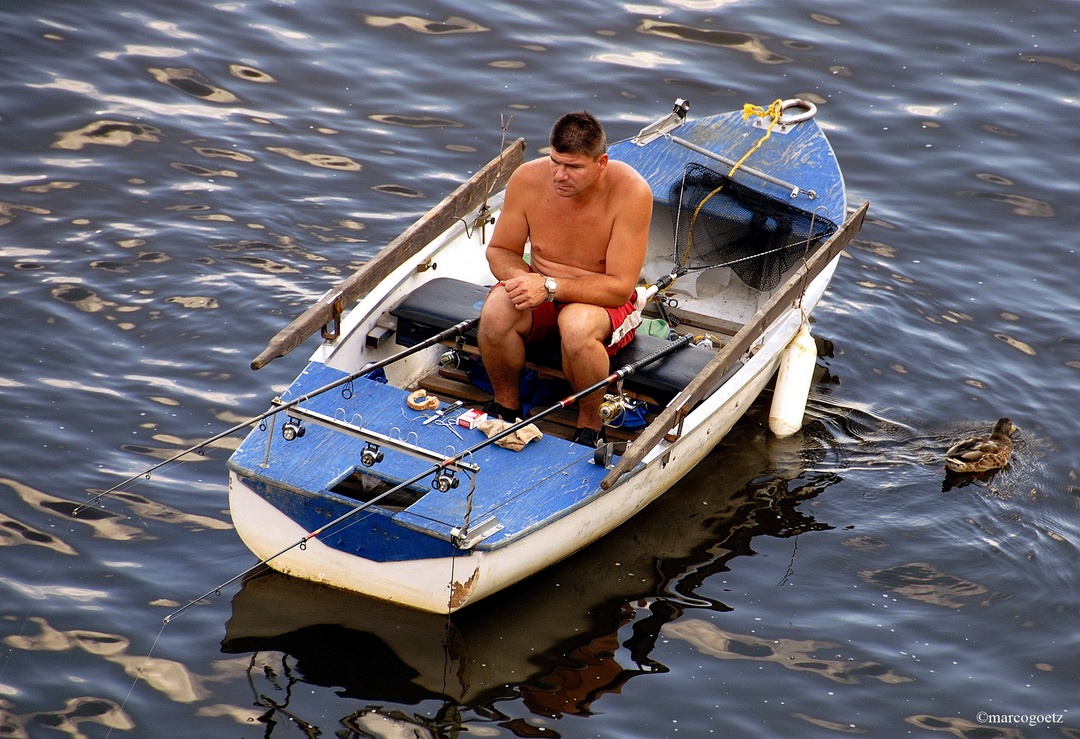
626, 176
531, 172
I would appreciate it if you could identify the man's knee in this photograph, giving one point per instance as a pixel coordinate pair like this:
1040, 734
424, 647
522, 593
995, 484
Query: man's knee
499, 318
496, 308
582, 327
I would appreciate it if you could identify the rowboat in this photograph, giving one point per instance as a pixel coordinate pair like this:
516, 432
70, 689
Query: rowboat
343, 483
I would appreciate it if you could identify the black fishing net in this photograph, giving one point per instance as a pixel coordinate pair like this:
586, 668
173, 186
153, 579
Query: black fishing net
719, 222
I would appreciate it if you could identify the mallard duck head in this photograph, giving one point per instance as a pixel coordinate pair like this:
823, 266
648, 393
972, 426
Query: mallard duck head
1003, 429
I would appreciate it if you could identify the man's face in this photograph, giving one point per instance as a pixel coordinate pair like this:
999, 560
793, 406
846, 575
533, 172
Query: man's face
573, 174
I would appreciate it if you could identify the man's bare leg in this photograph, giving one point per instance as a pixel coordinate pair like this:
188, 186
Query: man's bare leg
584, 331
502, 328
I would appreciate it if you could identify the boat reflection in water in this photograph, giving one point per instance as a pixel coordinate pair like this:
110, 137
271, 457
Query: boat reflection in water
558, 641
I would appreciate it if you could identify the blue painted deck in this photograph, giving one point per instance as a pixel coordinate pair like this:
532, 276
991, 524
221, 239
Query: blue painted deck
523, 489
803, 157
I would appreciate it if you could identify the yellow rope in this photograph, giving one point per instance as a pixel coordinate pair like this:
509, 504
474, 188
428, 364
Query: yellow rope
774, 112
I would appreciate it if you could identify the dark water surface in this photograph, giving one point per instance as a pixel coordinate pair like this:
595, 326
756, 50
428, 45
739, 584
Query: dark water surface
177, 180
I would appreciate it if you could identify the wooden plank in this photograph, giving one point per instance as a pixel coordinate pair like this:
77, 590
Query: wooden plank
731, 352
447, 387
455, 206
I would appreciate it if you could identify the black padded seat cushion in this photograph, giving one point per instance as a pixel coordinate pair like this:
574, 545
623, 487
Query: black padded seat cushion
440, 303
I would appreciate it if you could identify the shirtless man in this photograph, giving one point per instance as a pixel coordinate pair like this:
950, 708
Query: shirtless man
587, 221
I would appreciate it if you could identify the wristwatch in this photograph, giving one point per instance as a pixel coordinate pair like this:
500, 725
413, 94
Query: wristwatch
551, 286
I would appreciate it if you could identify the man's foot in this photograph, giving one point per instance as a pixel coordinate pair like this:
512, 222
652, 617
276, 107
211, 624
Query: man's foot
494, 410
591, 438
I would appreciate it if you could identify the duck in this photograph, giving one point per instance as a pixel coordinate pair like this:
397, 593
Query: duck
982, 453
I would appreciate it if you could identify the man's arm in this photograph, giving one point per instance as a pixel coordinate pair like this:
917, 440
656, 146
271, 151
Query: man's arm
506, 249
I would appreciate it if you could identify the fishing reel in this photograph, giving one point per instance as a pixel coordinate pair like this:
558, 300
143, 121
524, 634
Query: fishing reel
371, 455
445, 481
292, 429
614, 406
453, 359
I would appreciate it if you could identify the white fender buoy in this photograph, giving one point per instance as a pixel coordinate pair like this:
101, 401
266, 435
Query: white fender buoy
793, 384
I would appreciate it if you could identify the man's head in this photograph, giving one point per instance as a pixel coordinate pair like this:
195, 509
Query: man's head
578, 155
578, 133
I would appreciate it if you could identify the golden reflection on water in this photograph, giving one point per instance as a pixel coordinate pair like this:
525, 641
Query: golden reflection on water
194, 169
193, 83
107, 133
922, 582
211, 152
1020, 205
639, 59
169, 677
453, 24
154, 511
57, 185
43, 592
963, 728
9, 210
701, 5
1017, 344
830, 725
748, 43
791, 654
195, 302
157, 52
15, 533
105, 524
250, 74
326, 161
76, 711
1057, 61
123, 104
427, 121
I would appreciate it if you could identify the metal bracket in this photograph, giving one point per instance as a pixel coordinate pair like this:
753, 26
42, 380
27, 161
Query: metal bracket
382, 440
781, 128
676, 431
335, 298
665, 125
467, 538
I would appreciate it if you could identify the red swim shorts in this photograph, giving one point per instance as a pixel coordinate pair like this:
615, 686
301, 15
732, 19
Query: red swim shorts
624, 320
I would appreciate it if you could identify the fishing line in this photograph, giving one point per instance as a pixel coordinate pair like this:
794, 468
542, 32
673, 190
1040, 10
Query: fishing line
139, 673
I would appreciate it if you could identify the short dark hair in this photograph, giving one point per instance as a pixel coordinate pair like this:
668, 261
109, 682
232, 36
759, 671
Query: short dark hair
578, 133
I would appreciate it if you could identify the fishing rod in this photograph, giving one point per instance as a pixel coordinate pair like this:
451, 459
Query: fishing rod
619, 374
457, 328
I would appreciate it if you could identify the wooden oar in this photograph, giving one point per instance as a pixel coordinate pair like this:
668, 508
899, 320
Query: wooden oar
455, 206
447, 462
456, 329
733, 351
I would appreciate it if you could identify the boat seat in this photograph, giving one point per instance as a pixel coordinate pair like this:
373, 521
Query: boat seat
444, 301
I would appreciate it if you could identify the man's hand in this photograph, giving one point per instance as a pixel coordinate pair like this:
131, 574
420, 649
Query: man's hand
526, 291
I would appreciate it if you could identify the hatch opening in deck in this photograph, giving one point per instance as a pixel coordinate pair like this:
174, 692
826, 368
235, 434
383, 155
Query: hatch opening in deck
365, 487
